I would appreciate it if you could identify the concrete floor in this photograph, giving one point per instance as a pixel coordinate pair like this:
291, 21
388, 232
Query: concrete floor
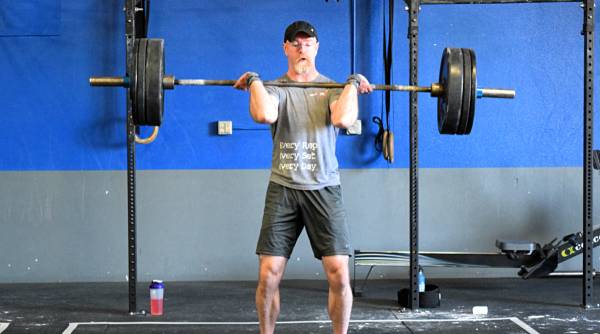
514, 306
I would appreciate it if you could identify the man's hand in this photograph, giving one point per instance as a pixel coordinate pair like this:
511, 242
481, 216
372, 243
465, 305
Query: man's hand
360, 82
244, 82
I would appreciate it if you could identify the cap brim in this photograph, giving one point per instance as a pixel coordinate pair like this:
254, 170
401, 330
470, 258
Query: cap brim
293, 35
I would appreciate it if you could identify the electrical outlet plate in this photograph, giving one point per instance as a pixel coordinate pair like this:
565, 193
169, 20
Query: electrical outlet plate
224, 128
355, 129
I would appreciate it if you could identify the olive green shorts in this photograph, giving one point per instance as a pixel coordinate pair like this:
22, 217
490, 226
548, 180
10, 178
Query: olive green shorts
287, 211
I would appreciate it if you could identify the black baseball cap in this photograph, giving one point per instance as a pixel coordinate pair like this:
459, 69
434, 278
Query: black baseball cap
299, 26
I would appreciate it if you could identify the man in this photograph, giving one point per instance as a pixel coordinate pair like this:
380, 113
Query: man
304, 188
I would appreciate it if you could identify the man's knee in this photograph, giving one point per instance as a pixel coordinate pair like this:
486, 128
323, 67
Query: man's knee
336, 268
270, 271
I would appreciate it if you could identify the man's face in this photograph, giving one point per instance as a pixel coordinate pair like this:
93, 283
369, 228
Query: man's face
301, 53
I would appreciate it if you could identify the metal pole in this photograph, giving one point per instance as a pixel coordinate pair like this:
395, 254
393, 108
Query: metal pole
588, 114
413, 35
131, 219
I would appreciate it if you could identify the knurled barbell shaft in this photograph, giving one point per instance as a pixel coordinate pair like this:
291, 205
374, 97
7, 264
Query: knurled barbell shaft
435, 89
202, 82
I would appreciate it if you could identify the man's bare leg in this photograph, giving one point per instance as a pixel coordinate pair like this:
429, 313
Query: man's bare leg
340, 293
271, 270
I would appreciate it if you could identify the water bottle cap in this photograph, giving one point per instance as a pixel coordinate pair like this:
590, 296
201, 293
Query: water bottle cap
157, 284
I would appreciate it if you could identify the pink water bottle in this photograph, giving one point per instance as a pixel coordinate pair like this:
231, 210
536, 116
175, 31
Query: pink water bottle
156, 297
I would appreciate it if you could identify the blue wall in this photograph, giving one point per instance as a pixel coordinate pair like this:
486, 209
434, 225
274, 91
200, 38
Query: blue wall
52, 119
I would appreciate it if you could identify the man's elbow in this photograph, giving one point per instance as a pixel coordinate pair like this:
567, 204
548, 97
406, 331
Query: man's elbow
264, 118
343, 122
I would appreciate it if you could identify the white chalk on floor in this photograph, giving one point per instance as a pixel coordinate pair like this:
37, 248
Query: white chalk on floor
480, 309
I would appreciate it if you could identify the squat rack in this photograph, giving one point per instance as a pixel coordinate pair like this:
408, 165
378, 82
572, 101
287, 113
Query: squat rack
136, 19
588, 113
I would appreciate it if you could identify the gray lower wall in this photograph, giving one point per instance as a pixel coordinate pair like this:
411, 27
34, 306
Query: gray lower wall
203, 224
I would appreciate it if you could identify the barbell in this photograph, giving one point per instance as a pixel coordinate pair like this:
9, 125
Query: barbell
456, 90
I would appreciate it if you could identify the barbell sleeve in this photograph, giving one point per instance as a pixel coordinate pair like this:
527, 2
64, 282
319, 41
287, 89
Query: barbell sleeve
109, 81
496, 93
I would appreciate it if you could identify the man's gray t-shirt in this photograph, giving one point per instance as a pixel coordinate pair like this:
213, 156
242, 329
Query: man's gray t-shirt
303, 137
